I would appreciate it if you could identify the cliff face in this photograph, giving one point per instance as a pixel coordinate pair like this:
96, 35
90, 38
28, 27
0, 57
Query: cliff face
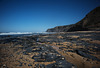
90, 22
60, 28
92, 19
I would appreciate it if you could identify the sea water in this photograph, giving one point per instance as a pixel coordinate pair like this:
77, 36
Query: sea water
15, 34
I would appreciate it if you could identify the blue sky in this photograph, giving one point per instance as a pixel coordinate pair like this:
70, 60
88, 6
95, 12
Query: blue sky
39, 15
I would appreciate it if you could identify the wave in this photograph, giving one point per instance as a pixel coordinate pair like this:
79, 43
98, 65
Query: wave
15, 33
19, 33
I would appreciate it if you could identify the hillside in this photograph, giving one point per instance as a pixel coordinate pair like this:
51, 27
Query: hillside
90, 22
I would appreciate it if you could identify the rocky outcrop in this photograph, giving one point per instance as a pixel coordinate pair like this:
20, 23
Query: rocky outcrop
90, 22
60, 28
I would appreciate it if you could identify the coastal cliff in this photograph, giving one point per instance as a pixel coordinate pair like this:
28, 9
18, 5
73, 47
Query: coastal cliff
90, 22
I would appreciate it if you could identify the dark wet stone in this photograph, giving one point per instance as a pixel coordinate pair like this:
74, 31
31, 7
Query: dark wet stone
87, 55
40, 66
20, 63
29, 64
24, 63
61, 64
25, 53
48, 57
18, 53
36, 66
69, 51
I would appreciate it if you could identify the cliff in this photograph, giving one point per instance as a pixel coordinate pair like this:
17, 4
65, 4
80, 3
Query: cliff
90, 22
60, 28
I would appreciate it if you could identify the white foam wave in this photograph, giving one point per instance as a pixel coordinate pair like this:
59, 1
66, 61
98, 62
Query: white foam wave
15, 33
18, 33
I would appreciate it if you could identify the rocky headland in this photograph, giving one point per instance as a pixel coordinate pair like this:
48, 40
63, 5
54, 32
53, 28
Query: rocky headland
90, 22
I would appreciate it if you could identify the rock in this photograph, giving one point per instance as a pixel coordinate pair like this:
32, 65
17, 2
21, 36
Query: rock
29, 64
90, 22
24, 63
4, 66
40, 66
20, 63
61, 64
60, 28
87, 55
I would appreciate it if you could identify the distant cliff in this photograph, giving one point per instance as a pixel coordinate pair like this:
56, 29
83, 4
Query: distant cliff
60, 28
90, 22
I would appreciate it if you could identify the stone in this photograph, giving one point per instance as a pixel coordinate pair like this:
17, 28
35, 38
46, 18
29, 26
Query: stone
29, 64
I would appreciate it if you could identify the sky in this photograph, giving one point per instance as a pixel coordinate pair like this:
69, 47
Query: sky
39, 15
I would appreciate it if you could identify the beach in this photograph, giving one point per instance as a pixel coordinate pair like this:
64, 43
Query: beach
65, 49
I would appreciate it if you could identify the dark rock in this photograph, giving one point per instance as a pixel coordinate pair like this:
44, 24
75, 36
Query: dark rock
24, 63
61, 64
69, 51
20, 64
60, 28
86, 55
29, 64
40, 66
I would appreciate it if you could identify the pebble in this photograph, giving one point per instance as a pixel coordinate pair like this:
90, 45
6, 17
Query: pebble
24, 63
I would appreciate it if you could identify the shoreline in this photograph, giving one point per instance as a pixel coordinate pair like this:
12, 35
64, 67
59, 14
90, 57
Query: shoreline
80, 49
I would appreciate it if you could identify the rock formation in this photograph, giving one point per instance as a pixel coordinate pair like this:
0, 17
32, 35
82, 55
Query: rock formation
90, 22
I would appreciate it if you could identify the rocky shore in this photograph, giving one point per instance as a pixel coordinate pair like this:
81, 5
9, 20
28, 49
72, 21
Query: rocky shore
60, 50
26, 52
81, 48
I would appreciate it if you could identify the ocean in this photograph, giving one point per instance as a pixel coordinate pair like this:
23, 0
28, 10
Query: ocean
16, 34
8, 35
